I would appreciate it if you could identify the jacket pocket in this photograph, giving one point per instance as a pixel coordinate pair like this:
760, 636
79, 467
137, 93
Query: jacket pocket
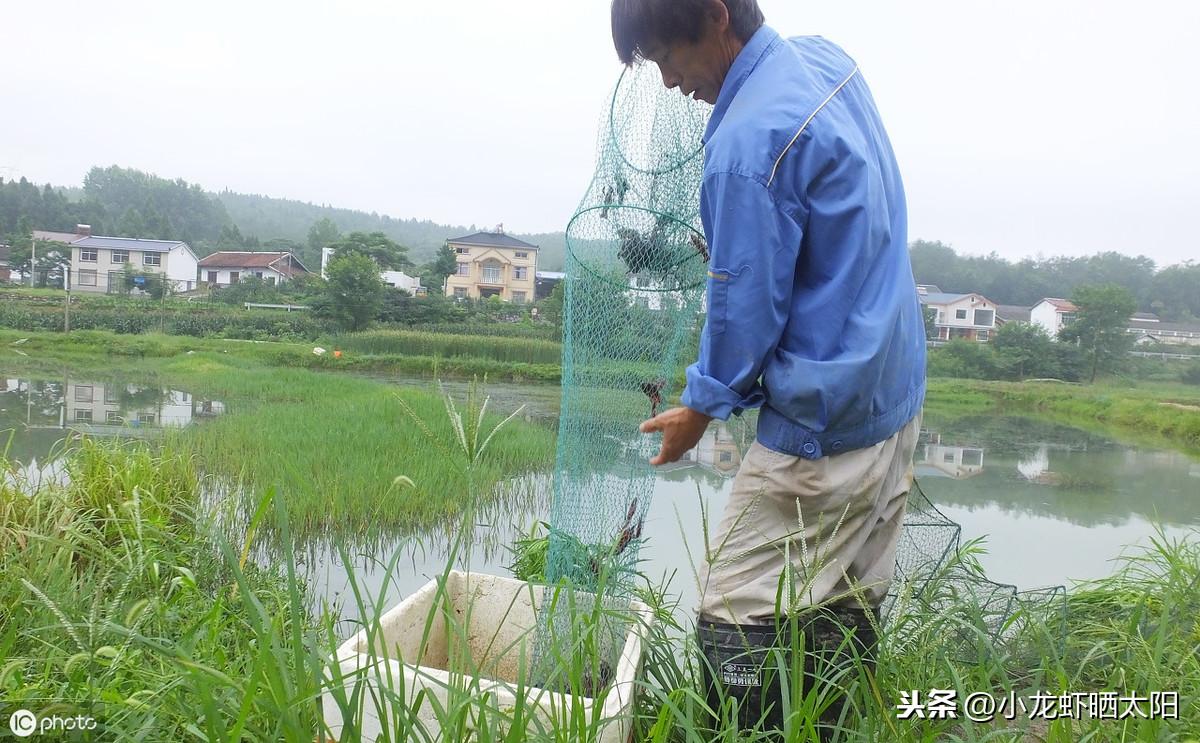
718, 298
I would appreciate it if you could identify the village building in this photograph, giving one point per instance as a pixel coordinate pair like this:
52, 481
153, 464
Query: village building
224, 268
493, 264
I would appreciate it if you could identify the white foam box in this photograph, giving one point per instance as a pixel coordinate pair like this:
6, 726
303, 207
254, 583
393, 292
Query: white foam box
491, 621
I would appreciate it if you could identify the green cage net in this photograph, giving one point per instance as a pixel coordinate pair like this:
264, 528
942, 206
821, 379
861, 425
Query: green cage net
636, 272
930, 576
636, 267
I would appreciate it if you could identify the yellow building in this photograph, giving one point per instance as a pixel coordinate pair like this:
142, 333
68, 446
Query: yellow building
493, 264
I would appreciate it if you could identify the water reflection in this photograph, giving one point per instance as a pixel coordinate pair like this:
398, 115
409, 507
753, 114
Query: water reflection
936, 458
1026, 467
37, 415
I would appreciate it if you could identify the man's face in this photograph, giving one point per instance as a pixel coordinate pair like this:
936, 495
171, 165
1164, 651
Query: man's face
697, 69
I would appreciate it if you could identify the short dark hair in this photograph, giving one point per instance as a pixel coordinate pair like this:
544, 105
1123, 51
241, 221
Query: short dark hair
638, 23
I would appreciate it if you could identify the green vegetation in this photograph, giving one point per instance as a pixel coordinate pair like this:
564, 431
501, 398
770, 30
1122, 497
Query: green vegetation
123, 601
425, 354
1099, 329
1024, 351
22, 311
1168, 412
498, 347
350, 300
353, 291
375, 245
332, 447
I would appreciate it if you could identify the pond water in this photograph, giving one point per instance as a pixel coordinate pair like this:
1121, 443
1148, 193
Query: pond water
1056, 504
38, 415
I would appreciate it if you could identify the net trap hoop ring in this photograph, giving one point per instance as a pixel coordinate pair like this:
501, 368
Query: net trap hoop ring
610, 278
623, 83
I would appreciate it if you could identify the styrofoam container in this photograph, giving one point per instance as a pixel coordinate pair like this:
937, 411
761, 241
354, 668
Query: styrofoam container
496, 619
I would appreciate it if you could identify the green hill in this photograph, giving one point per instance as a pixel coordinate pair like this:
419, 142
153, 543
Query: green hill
267, 217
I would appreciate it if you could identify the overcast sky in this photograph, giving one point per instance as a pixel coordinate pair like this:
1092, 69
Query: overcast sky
1022, 127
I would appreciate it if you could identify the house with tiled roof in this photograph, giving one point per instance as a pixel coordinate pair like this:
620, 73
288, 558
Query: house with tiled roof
1053, 314
493, 264
969, 316
227, 267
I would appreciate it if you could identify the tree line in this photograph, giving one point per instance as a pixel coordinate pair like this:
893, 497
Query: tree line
129, 203
1173, 292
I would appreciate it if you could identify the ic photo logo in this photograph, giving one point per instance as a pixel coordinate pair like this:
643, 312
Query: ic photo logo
23, 723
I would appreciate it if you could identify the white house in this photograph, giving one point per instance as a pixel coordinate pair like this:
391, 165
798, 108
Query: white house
98, 263
401, 280
397, 279
227, 267
970, 316
5, 268
717, 450
1053, 314
935, 458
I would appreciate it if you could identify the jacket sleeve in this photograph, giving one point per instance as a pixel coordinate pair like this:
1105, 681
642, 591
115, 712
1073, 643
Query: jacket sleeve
754, 246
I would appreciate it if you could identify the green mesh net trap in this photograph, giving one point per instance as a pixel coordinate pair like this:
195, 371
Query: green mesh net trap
636, 273
636, 267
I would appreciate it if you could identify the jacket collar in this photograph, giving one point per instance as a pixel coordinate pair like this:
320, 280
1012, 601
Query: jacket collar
763, 40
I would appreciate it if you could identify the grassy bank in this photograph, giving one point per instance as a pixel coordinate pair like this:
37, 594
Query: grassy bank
439, 357
120, 601
415, 343
1166, 413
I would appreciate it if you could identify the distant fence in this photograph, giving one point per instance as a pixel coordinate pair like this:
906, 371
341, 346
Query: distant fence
1157, 355
284, 307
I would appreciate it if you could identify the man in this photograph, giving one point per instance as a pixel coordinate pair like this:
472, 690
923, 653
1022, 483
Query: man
813, 316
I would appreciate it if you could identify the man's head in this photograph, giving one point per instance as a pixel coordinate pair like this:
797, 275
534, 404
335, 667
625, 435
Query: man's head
693, 42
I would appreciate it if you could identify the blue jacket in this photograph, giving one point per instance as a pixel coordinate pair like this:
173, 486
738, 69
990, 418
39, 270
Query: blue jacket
812, 309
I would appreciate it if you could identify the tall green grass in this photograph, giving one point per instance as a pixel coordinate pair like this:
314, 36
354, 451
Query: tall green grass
540, 331
114, 352
332, 448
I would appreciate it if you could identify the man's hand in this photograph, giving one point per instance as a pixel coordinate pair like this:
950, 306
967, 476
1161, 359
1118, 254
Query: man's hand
681, 428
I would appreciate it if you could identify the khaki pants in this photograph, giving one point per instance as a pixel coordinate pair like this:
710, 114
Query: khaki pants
835, 521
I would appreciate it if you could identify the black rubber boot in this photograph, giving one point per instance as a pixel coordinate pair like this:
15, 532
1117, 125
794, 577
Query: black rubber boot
732, 668
834, 638
743, 662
